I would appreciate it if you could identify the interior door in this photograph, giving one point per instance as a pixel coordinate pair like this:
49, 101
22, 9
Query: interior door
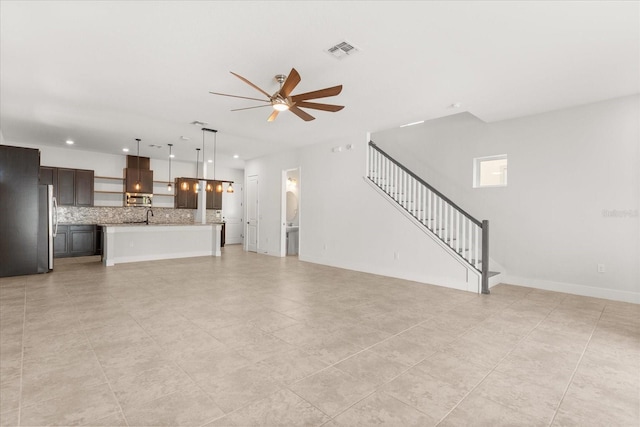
252, 214
233, 215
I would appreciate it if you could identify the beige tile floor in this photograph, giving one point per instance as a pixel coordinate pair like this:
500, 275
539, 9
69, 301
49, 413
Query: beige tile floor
253, 340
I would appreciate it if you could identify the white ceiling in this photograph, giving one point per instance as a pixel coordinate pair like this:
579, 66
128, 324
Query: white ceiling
104, 73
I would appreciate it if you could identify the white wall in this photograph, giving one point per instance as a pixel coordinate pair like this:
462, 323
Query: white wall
269, 171
346, 223
565, 169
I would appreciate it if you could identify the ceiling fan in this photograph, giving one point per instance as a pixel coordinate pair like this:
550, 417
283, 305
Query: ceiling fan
282, 100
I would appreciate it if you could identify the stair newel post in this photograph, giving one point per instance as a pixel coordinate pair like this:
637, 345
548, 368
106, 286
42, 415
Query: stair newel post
485, 257
370, 152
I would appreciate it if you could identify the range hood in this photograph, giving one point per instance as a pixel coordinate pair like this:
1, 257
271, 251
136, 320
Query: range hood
138, 179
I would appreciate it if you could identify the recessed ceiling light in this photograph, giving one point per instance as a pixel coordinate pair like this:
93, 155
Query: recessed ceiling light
126, 150
209, 161
235, 156
184, 138
172, 155
412, 123
455, 105
70, 142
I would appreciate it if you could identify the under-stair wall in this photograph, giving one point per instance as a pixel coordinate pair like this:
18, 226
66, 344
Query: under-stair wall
458, 233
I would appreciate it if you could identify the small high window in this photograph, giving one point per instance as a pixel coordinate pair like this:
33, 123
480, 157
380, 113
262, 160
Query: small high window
490, 171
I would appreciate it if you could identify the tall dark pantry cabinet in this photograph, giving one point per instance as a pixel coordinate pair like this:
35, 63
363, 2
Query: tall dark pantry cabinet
26, 211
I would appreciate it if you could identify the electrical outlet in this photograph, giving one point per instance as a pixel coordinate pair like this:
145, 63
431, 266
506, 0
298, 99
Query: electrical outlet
600, 268
396, 255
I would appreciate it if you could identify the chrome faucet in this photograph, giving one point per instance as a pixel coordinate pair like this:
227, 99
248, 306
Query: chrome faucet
149, 211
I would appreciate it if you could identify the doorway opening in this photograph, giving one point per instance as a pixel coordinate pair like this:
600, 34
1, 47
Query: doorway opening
290, 233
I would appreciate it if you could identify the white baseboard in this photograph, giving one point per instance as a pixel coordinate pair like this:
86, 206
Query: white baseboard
471, 285
572, 288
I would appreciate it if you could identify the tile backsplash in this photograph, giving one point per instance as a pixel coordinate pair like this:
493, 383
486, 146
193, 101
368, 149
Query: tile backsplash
118, 215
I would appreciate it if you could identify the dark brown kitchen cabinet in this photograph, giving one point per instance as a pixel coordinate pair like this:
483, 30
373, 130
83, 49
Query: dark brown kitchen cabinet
133, 176
84, 188
186, 196
66, 187
82, 240
214, 197
71, 187
49, 176
75, 240
60, 247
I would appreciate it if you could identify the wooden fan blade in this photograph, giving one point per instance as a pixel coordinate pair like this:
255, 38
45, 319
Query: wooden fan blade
290, 83
249, 108
273, 116
302, 114
316, 106
322, 93
243, 97
251, 84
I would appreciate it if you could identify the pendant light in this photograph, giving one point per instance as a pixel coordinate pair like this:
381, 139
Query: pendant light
203, 177
137, 186
196, 187
215, 133
169, 186
230, 188
215, 158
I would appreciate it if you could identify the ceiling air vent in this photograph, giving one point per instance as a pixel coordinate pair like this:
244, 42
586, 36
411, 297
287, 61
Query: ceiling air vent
342, 49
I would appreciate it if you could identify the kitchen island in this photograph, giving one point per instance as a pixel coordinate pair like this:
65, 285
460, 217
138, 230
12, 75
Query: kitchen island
125, 243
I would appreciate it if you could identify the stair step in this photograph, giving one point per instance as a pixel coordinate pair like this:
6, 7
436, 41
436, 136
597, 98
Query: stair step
493, 273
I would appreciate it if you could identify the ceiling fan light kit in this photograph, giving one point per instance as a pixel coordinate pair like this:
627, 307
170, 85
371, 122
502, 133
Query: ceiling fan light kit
282, 100
280, 105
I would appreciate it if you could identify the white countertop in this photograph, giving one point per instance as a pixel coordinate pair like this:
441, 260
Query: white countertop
152, 224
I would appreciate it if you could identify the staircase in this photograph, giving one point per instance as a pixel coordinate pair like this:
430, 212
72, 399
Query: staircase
463, 235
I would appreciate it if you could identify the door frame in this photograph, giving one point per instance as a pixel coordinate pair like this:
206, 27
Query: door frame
283, 210
257, 207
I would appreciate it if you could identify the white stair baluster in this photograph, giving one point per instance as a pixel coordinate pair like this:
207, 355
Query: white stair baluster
469, 241
386, 175
403, 194
457, 231
476, 249
414, 196
429, 213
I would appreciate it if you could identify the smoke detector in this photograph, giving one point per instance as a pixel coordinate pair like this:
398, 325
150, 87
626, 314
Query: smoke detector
342, 49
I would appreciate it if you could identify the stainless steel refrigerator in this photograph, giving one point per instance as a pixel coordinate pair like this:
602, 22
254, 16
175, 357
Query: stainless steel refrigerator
47, 227
27, 214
